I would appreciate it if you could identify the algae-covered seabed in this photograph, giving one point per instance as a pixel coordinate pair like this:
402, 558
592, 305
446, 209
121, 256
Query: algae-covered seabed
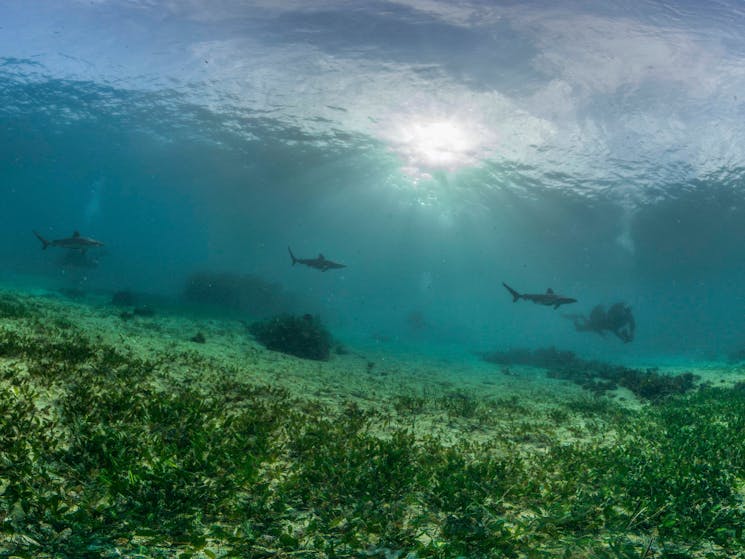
124, 438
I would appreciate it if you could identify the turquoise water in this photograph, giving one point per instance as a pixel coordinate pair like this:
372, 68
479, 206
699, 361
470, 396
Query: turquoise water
435, 148
152, 403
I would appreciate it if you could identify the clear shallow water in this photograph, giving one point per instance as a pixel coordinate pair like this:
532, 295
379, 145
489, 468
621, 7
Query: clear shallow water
436, 148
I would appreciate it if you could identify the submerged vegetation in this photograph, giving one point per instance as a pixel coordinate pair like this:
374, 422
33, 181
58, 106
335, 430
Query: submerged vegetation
302, 336
106, 454
11, 307
596, 376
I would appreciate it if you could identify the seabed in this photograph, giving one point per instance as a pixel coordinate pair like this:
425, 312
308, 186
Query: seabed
126, 438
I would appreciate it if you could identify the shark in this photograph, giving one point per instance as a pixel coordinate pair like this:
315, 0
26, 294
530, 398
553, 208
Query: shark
319, 263
80, 259
549, 298
75, 242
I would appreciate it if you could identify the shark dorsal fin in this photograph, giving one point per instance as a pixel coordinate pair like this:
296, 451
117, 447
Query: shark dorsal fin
320, 256
549, 291
76, 234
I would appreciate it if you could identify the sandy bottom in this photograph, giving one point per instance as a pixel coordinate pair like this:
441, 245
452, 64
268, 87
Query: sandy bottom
453, 399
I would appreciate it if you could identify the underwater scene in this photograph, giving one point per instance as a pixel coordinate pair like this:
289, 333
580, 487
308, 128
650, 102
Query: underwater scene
394, 279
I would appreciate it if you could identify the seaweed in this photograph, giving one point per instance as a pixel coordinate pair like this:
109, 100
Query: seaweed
596, 376
125, 460
549, 357
302, 336
648, 384
13, 307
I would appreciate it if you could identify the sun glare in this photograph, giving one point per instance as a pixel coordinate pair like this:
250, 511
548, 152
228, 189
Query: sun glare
436, 144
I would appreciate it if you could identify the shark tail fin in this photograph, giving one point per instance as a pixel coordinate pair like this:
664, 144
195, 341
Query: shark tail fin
515, 294
294, 260
44, 242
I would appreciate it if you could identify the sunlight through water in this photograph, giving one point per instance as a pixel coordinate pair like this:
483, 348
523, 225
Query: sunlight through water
435, 145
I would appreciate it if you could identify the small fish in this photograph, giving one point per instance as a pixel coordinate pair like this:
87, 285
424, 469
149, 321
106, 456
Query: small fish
319, 263
75, 242
549, 298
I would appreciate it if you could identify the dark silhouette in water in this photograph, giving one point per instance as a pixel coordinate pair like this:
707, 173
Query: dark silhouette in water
76, 242
416, 321
618, 319
319, 263
596, 376
123, 298
303, 336
78, 258
198, 338
144, 310
550, 299
244, 293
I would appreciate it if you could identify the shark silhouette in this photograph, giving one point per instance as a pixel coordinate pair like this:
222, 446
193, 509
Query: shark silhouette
75, 242
549, 298
319, 263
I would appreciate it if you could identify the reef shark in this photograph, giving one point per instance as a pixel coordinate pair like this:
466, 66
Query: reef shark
76, 242
319, 263
549, 298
